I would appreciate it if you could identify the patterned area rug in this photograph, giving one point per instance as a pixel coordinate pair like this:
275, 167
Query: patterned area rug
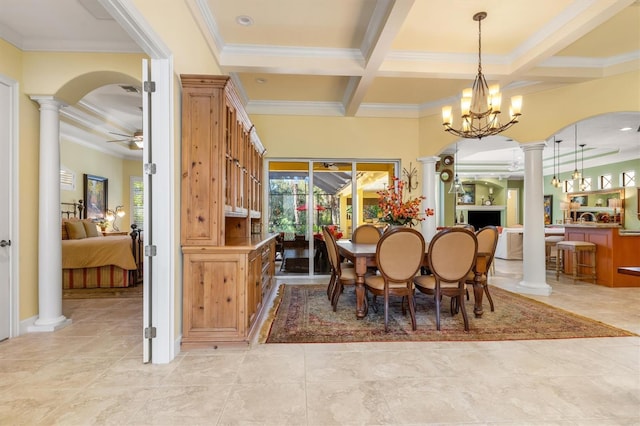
303, 314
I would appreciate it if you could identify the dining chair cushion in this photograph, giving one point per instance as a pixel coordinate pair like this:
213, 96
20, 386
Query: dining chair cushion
377, 282
348, 274
429, 282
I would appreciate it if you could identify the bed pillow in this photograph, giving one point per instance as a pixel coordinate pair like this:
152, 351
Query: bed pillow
91, 229
76, 230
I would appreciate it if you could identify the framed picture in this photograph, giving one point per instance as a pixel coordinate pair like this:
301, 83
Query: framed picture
548, 209
469, 195
95, 195
580, 199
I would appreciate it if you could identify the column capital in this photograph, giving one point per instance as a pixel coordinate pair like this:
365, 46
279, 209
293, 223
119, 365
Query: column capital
48, 101
434, 159
537, 146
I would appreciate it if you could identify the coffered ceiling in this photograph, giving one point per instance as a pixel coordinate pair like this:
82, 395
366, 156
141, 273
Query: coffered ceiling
383, 58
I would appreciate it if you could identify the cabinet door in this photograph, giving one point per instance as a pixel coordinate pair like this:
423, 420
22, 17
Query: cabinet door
202, 167
254, 284
214, 305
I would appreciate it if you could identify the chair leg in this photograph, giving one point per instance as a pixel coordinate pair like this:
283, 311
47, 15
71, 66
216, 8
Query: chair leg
331, 286
386, 314
337, 292
464, 312
438, 299
412, 312
486, 291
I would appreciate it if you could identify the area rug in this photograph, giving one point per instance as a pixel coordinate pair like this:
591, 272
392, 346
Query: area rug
98, 293
303, 314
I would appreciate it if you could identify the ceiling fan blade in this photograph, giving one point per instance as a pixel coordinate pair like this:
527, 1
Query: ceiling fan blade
120, 134
120, 140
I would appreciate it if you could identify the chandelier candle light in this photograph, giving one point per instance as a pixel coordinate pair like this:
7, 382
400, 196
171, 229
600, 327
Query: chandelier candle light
480, 104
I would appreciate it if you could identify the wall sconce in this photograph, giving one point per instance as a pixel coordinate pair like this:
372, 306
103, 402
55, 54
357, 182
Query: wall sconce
113, 215
411, 175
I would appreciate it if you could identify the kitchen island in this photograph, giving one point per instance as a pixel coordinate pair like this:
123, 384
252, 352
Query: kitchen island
615, 247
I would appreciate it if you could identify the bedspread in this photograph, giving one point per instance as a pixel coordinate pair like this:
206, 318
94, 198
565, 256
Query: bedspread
98, 251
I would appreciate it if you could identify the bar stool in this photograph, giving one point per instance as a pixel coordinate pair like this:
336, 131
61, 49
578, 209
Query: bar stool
550, 243
577, 248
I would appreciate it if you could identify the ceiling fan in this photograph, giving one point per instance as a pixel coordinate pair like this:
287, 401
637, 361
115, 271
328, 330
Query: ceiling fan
516, 163
135, 141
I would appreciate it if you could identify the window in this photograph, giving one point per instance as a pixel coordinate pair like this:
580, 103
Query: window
568, 186
605, 182
67, 179
304, 195
137, 201
628, 178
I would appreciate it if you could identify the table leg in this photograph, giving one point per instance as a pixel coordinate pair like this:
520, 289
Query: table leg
480, 269
478, 293
361, 270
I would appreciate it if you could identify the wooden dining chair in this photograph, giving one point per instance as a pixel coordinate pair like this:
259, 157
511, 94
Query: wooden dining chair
341, 274
399, 255
366, 234
452, 254
487, 241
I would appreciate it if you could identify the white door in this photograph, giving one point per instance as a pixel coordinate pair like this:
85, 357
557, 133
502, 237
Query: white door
146, 289
5, 209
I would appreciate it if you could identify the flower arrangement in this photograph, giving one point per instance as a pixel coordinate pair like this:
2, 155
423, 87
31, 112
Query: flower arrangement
397, 211
333, 230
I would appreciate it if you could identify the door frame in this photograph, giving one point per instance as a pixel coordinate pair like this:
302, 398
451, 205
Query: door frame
160, 270
14, 234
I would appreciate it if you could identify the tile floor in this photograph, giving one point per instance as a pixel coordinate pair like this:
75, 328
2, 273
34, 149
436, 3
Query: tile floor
91, 373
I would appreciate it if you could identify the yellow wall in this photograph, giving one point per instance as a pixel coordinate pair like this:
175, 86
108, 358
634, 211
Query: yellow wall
67, 76
81, 159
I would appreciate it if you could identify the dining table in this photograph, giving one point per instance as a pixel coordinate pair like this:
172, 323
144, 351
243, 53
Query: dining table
363, 256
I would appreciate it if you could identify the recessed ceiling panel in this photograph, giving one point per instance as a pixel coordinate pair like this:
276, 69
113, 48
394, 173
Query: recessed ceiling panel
412, 90
508, 24
326, 23
281, 87
619, 35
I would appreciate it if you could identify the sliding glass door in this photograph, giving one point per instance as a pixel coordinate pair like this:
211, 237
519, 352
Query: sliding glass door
305, 195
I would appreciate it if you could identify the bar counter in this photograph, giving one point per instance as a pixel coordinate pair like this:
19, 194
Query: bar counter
615, 247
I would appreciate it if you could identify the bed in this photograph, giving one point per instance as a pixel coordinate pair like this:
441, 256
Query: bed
91, 260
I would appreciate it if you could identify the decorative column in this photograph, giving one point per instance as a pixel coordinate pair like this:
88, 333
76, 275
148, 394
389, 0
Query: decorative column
50, 316
534, 280
430, 191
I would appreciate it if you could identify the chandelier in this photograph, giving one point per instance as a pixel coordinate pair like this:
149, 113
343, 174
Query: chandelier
480, 104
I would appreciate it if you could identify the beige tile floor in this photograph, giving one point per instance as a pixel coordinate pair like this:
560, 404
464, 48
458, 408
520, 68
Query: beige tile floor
91, 373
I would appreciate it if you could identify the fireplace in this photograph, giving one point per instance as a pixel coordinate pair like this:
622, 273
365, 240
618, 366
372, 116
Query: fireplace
482, 218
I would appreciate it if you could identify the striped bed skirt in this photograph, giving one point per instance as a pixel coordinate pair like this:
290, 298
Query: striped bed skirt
109, 276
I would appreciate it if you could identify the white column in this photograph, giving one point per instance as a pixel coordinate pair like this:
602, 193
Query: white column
534, 280
50, 315
430, 192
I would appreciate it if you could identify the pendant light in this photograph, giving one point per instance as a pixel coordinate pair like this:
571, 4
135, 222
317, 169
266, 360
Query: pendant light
456, 186
583, 185
576, 174
554, 181
558, 181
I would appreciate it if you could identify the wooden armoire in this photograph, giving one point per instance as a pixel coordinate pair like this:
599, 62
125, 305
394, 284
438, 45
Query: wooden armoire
229, 262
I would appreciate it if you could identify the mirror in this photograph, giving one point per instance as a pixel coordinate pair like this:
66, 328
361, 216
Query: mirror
607, 205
